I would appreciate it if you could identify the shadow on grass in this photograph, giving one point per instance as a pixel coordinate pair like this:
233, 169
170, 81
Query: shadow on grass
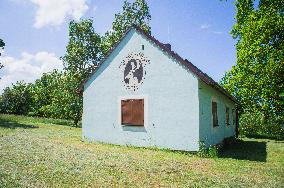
245, 150
276, 138
14, 124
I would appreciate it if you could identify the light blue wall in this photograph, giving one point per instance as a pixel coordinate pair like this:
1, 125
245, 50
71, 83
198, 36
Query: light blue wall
209, 134
171, 101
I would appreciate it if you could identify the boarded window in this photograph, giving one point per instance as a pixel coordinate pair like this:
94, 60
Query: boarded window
132, 112
227, 116
234, 116
214, 114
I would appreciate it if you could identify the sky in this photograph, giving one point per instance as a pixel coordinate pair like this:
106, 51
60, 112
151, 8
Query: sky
36, 32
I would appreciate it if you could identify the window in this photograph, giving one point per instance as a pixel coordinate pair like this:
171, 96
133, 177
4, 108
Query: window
143, 47
214, 114
234, 116
227, 116
132, 112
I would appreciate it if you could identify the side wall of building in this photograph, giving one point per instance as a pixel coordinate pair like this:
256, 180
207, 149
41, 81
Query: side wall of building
213, 135
170, 94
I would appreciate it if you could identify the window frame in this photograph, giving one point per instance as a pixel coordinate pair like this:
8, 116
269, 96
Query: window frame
227, 116
214, 123
234, 116
126, 97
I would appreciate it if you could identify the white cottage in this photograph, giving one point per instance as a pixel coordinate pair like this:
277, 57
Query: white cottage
144, 94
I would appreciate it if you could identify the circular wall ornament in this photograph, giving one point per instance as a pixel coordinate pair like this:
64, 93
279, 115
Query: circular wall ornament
133, 67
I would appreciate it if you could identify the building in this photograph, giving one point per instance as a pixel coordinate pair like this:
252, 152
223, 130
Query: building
144, 94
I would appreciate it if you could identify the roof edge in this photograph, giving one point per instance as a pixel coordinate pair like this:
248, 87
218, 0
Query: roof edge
81, 87
201, 75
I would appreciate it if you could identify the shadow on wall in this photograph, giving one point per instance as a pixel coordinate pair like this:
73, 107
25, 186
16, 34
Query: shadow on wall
245, 150
134, 128
14, 124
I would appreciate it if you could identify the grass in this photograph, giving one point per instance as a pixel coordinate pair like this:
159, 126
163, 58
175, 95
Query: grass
27, 120
34, 153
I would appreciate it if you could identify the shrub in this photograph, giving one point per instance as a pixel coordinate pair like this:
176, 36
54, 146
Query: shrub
229, 141
256, 125
208, 152
16, 99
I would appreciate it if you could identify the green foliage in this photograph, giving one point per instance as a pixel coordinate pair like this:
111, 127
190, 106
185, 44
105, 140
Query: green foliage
16, 99
83, 52
207, 152
66, 101
257, 79
48, 97
2, 45
136, 13
44, 91
257, 125
228, 141
55, 95
83, 55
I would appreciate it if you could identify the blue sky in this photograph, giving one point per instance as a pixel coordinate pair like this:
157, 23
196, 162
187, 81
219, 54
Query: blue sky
36, 32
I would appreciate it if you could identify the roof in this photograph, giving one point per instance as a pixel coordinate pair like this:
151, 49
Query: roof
201, 75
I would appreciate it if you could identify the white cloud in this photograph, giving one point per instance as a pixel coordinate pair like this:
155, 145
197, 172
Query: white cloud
218, 32
54, 12
204, 26
208, 29
28, 68
95, 9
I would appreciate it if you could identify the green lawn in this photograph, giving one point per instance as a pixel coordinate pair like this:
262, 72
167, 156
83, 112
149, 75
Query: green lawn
36, 153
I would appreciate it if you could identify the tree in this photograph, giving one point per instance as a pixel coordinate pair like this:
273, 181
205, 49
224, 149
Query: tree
66, 100
55, 94
2, 45
44, 91
82, 56
86, 49
257, 78
16, 99
83, 52
136, 13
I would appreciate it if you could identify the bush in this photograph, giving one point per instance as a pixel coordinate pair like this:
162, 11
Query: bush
210, 152
16, 99
229, 141
256, 125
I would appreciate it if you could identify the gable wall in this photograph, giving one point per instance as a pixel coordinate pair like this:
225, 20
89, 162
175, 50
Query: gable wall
209, 134
171, 101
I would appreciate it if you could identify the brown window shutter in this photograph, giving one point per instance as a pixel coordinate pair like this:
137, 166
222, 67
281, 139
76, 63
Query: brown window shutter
125, 111
214, 114
138, 112
234, 116
227, 116
132, 112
